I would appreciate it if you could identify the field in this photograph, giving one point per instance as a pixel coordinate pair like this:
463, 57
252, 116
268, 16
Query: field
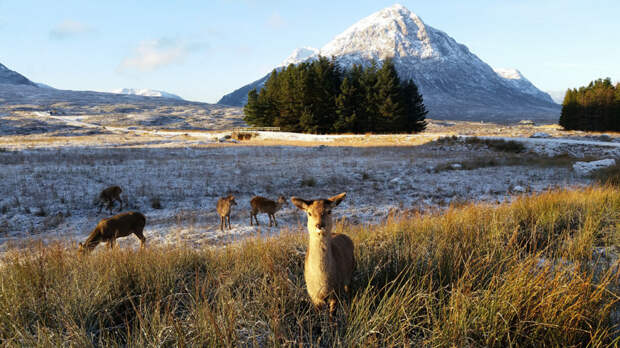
48, 191
540, 271
468, 234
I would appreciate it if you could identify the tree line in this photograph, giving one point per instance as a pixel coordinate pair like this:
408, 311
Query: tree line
320, 97
595, 107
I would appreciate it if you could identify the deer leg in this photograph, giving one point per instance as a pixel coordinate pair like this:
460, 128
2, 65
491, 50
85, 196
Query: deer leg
222, 223
121, 202
140, 236
270, 222
274, 220
251, 222
228, 220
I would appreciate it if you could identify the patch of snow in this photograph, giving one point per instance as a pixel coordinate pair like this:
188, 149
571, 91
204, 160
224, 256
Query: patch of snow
587, 168
541, 135
301, 55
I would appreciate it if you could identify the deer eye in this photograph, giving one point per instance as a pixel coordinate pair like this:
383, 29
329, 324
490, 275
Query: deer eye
309, 214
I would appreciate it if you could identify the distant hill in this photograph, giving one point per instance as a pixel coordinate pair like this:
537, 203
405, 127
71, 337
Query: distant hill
11, 77
145, 92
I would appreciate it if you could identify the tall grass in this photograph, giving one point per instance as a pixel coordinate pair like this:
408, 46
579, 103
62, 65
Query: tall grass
476, 275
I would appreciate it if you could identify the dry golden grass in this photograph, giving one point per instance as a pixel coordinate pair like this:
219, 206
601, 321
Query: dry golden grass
476, 275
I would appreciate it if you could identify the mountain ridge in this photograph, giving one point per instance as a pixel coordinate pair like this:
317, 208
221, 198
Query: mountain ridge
10, 77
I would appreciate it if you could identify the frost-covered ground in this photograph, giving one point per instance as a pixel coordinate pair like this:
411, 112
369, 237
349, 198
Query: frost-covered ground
50, 177
47, 193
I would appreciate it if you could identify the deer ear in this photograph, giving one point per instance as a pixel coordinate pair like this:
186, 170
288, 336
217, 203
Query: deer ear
337, 199
300, 203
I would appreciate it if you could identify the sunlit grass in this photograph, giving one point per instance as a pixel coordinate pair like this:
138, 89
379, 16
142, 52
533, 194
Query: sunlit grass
523, 273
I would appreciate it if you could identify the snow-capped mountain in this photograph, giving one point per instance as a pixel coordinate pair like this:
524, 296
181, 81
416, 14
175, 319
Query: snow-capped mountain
145, 92
455, 83
11, 77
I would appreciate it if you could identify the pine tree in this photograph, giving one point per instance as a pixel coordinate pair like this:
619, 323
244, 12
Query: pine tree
415, 111
569, 110
368, 84
251, 110
391, 113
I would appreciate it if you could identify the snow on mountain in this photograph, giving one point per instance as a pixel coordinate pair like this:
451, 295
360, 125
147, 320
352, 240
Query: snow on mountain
145, 92
514, 78
300, 55
11, 77
455, 83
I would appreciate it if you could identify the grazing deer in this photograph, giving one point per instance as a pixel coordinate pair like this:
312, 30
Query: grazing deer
109, 195
224, 205
330, 262
120, 225
264, 205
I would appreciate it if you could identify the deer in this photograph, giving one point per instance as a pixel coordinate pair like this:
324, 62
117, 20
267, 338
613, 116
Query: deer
330, 261
224, 206
264, 205
117, 226
109, 195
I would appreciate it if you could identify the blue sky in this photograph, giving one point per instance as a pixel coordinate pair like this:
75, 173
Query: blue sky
202, 50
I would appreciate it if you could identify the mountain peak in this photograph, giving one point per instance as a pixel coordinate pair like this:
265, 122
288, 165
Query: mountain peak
393, 32
300, 55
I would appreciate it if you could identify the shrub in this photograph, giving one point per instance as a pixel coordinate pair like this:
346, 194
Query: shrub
156, 203
308, 181
498, 144
241, 136
609, 175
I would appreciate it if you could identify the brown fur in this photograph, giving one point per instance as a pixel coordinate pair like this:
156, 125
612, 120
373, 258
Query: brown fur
224, 207
108, 196
330, 261
120, 225
264, 205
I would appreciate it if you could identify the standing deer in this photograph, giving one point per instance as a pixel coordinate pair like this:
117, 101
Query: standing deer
120, 225
264, 205
109, 195
224, 206
330, 261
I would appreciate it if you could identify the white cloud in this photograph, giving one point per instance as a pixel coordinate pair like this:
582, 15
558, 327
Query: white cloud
154, 54
276, 21
69, 29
